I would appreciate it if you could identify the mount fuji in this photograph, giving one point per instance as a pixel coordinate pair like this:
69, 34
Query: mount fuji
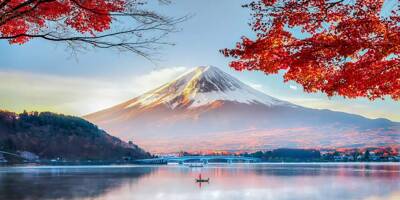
207, 109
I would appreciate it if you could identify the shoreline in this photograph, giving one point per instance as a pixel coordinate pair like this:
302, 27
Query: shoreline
80, 164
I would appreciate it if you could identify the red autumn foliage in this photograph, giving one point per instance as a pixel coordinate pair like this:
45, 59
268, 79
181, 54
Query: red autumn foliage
126, 25
26, 17
349, 48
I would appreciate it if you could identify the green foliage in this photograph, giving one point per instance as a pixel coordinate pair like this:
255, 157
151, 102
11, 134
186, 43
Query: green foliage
288, 155
51, 135
69, 124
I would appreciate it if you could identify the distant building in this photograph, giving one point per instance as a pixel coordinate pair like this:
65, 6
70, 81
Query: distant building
28, 155
325, 152
394, 158
349, 158
338, 158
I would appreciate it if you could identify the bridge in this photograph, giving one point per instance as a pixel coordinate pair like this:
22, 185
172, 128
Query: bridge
203, 159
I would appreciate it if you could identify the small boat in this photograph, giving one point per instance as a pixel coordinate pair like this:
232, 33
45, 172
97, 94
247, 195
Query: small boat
202, 180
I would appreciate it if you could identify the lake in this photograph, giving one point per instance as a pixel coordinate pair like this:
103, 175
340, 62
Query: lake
372, 181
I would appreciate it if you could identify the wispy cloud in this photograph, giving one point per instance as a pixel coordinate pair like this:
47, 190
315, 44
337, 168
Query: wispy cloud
156, 78
74, 95
256, 86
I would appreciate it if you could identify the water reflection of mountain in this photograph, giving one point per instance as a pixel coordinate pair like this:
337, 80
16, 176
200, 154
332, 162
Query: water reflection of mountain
66, 183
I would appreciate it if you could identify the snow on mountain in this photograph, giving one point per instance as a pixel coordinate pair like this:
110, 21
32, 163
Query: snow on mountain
208, 109
202, 86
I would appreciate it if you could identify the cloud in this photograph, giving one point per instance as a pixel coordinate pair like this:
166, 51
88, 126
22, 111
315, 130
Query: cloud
74, 95
157, 78
256, 86
293, 87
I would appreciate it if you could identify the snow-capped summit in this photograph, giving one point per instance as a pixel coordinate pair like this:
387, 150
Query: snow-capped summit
202, 86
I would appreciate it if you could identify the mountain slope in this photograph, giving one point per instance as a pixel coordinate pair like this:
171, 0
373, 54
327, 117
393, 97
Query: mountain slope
207, 109
50, 135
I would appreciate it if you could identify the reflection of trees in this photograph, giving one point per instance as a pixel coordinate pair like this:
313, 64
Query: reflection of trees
356, 170
67, 183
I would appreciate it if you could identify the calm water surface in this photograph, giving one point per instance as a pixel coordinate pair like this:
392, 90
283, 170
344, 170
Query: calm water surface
234, 181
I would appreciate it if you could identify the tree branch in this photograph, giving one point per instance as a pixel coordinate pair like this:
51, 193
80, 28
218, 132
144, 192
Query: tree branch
142, 33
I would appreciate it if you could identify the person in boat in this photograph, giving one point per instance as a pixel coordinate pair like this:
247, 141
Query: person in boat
200, 179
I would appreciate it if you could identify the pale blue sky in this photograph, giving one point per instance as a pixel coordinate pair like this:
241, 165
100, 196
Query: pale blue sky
40, 75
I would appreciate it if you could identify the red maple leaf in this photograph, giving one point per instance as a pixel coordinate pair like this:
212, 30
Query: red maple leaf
347, 48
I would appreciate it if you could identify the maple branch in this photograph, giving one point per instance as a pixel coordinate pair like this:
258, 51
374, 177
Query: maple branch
4, 3
142, 35
345, 52
15, 14
138, 46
